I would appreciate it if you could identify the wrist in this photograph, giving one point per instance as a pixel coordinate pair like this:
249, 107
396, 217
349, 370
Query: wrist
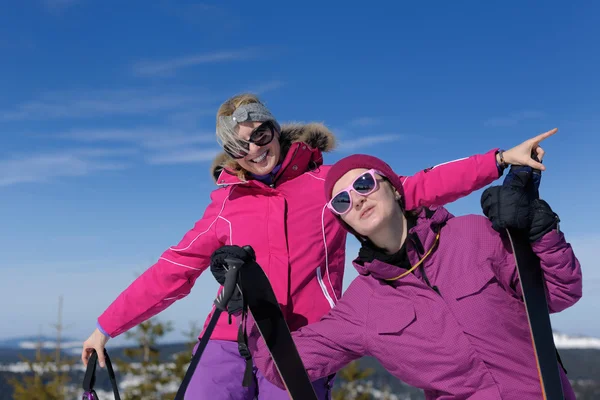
102, 331
500, 162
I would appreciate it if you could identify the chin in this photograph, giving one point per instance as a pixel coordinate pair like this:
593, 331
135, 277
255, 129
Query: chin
370, 226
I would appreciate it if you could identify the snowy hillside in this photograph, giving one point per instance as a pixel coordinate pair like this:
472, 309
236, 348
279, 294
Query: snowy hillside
564, 341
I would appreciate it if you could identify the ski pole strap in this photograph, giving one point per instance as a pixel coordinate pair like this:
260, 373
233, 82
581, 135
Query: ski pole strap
245, 352
89, 379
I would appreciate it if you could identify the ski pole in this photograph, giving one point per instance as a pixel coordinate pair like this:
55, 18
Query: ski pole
231, 280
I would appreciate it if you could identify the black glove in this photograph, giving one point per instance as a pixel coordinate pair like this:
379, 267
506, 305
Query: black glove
507, 207
543, 220
524, 178
219, 267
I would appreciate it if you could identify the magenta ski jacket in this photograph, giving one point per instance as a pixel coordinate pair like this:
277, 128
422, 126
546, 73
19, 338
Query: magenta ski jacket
470, 341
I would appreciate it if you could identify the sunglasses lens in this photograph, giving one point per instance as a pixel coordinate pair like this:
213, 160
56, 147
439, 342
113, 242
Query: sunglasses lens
364, 184
341, 202
234, 152
263, 135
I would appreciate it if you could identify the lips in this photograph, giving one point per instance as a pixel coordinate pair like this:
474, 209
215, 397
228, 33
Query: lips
261, 158
366, 212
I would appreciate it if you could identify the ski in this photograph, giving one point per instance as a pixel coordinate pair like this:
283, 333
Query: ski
533, 287
261, 301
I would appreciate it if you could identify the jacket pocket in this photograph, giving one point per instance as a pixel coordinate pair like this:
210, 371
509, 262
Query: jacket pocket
395, 321
475, 281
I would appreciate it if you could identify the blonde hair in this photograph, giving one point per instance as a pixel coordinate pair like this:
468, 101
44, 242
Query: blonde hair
226, 136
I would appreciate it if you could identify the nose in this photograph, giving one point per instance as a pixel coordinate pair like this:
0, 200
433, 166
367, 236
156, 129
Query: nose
357, 199
253, 148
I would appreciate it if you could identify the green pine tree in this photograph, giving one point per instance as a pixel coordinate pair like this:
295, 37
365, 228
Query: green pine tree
48, 375
350, 376
181, 360
144, 362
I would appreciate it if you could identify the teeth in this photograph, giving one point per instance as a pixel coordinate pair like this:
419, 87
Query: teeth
260, 158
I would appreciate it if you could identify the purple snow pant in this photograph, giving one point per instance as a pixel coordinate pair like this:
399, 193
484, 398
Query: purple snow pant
219, 375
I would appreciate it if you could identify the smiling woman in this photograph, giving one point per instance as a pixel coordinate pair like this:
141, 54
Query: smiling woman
246, 129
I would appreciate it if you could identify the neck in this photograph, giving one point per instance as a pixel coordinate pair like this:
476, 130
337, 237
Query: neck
391, 237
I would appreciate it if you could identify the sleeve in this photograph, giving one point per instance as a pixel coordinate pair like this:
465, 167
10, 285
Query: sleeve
562, 271
449, 181
171, 278
325, 347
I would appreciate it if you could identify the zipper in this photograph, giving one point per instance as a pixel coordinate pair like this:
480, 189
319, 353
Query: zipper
323, 288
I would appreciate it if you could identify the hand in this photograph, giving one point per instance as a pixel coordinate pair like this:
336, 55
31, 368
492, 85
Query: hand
96, 341
218, 265
219, 268
521, 154
507, 207
543, 220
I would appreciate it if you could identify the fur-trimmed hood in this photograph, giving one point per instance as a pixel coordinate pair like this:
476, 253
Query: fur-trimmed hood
315, 135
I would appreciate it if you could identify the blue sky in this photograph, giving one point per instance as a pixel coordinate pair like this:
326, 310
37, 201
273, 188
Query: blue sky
107, 123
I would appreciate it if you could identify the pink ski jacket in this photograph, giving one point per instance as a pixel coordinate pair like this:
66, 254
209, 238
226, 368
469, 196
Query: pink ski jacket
297, 241
470, 341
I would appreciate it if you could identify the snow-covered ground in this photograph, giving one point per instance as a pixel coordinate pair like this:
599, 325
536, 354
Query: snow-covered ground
564, 341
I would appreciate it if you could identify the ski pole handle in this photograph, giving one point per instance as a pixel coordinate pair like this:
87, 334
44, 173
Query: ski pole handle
231, 280
250, 252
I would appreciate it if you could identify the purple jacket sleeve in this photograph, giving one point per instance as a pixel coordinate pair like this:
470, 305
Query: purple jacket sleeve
562, 271
325, 347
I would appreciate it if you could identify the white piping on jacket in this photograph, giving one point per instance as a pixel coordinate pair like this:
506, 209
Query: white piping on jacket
200, 234
323, 288
438, 165
326, 258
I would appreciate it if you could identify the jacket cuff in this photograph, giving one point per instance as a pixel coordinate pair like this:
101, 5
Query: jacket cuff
102, 329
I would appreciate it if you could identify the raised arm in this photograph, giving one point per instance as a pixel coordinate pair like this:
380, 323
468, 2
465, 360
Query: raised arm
452, 180
171, 278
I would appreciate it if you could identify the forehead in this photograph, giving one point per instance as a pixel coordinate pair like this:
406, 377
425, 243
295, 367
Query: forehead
245, 129
347, 179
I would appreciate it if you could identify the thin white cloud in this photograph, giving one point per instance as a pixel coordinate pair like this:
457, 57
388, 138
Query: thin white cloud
266, 87
46, 167
168, 67
514, 118
142, 146
183, 157
100, 152
101, 103
351, 144
150, 138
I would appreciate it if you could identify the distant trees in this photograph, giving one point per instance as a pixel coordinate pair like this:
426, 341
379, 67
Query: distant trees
350, 387
150, 376
48, 374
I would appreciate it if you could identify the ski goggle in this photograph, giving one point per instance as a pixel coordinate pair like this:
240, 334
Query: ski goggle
260, 136
364, 185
